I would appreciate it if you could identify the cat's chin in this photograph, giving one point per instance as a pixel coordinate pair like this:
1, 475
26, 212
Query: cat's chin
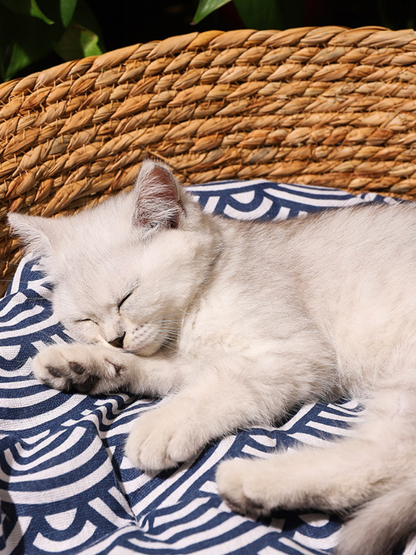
146, 350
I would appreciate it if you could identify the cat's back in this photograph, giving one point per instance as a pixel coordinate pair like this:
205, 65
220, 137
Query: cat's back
359, 274
353, 270
352, 238
368, 243
377, 228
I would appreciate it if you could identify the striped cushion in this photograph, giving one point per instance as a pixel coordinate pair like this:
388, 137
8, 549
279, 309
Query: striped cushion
66, 486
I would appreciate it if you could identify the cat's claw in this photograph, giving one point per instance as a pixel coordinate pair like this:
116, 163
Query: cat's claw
78, 368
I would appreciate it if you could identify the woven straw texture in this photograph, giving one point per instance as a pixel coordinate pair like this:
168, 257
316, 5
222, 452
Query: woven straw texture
326, 106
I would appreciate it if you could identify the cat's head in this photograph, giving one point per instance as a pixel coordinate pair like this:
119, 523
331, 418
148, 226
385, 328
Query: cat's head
126, 271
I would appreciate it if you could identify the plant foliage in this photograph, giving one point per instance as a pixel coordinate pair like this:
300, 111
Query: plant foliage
283, 14
32, 29
258, 14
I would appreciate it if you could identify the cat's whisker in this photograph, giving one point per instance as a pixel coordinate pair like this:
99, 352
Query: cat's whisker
167, 345
169, 333
171, 338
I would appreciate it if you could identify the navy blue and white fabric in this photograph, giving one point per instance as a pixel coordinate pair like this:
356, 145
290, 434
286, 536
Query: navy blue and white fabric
65, 484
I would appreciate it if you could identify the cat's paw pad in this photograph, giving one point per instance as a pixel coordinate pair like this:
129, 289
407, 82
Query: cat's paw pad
75, 368
161, 440
241, 484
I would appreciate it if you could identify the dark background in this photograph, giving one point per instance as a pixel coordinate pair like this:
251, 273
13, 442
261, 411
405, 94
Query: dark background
127, 22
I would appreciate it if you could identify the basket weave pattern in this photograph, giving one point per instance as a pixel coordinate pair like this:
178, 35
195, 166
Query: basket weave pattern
325, 106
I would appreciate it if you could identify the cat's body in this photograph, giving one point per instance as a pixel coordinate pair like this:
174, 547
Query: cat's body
239, 323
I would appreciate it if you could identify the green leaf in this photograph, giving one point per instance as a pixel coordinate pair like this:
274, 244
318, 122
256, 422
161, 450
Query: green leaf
26, 7
85, 17
82, 37
89, 42
18, 60
78, 42
271, 14
67, 8
260, 15
20, 43
205, 7
25, 40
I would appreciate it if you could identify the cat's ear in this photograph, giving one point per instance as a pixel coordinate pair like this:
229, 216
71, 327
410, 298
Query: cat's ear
158, 202
36, 233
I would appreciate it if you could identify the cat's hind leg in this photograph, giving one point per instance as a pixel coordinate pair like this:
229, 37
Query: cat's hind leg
382, 524
339, 477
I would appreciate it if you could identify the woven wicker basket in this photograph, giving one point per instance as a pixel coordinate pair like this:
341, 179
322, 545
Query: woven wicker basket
326, 106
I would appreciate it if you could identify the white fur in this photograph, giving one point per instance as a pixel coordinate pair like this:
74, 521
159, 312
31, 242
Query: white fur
239, 323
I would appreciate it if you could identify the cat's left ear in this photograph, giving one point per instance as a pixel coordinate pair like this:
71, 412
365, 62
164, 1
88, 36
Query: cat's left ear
37, 234
158, 202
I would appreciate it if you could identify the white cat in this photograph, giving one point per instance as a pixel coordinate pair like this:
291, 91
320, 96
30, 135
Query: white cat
238, 323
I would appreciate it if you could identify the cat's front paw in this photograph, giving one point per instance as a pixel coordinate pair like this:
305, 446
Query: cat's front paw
163, 438
244, 485
80, 368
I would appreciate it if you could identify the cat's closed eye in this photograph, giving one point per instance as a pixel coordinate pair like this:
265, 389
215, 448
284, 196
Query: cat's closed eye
124, 299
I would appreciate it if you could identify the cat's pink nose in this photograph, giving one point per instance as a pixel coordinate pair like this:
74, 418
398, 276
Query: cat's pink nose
118, 341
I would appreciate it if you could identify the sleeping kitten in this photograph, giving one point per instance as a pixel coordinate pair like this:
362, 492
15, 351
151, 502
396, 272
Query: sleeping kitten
238, 323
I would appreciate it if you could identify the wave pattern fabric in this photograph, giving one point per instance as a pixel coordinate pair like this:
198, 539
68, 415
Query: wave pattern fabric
65, 484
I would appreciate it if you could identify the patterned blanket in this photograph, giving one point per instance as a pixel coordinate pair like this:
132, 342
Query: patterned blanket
65, 484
